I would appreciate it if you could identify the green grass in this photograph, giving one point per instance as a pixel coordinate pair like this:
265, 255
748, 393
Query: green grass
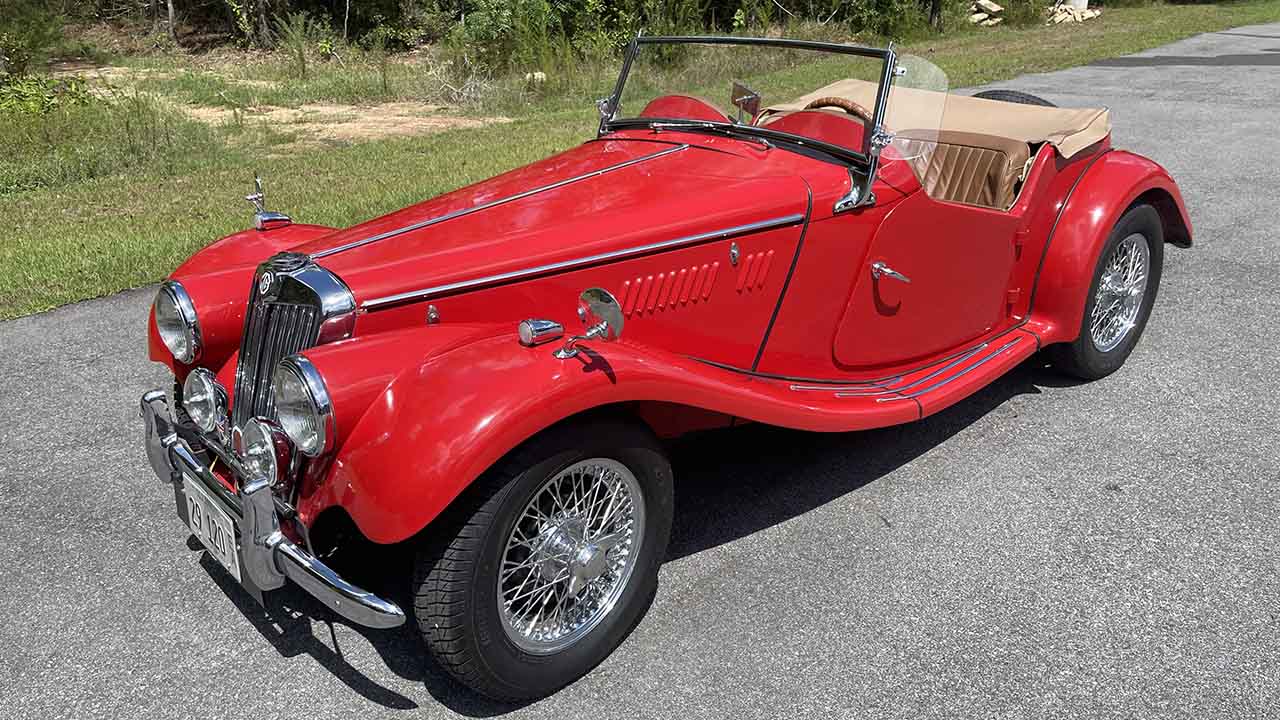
87, 234
96, 138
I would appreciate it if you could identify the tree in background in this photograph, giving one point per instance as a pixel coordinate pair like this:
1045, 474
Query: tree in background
500, 33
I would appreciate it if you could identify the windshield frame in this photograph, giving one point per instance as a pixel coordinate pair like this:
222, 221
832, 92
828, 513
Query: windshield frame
872, 143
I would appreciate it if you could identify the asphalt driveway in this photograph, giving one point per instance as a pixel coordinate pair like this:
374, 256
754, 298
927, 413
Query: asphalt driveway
1043, 549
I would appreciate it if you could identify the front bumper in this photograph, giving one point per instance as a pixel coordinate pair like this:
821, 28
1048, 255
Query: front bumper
267, 557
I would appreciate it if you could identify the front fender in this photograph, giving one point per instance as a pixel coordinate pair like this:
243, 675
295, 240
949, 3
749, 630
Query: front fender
1111, 184
445, 419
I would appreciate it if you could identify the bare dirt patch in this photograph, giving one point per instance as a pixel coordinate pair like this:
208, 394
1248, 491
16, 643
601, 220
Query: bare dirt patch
111, 74
324, 122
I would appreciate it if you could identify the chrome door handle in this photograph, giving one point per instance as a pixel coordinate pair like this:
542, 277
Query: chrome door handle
879, 269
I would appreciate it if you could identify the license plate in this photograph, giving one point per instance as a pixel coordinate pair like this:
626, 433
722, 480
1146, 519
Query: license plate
211, 526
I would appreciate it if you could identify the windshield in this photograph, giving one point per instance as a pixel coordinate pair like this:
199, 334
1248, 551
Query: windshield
832, 97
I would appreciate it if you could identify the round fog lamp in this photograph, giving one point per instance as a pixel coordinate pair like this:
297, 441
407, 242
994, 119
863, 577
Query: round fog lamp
204, 400
261, 456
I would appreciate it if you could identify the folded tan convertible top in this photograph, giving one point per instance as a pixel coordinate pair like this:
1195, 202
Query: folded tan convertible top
1069, 129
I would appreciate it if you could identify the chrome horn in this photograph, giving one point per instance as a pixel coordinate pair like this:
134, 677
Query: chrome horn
600, 310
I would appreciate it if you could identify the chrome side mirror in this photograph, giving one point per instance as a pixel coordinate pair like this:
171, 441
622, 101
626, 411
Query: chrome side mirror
746, 100
603, 314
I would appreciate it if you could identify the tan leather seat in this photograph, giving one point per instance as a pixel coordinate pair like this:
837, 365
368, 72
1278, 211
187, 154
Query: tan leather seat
973, 168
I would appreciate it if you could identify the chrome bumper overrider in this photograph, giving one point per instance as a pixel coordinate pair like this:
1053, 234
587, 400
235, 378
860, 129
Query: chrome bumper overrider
266, 555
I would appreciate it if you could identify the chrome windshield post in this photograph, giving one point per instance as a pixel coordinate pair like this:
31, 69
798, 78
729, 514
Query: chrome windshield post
608, 106
860, 194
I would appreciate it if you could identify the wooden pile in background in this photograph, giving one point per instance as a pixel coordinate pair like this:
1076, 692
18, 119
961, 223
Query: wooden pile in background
985, 13
1063, 12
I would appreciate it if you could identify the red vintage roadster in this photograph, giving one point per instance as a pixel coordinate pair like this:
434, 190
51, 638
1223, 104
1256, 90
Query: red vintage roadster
490, 375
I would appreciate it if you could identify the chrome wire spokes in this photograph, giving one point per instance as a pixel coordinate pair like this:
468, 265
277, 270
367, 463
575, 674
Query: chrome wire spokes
570, 554
1121, 290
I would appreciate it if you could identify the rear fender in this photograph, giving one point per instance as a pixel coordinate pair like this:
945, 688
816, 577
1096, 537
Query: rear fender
1110, 186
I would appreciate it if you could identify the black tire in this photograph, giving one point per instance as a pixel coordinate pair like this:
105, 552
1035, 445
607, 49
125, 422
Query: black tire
455, 583
1014, 96
1082, 358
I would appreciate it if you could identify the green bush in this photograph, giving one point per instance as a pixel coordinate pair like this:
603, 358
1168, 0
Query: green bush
888, 18
28, 33
66, 141
1024, 12
299, 34
36, 95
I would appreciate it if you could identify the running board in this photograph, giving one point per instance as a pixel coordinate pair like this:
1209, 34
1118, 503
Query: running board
937, 386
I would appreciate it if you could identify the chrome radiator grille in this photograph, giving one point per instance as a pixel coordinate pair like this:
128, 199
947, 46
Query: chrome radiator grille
274, 331
294, 304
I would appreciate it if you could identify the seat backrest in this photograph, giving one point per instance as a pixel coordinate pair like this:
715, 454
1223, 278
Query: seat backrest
973, 169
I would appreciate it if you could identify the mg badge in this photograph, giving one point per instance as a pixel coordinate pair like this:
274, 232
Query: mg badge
265, 282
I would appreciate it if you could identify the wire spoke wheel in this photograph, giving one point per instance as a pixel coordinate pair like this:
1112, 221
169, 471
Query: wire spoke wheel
570, 554
1121, 291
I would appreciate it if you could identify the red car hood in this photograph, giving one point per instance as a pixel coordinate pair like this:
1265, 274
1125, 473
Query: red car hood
597, 198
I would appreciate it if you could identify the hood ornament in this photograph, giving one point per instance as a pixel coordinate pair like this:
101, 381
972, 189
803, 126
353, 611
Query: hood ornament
264, 219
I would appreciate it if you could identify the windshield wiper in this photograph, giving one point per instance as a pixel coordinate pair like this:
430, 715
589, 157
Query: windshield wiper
709, 125
764, 136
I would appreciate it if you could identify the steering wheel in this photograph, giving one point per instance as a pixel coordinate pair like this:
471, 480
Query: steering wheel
844, 104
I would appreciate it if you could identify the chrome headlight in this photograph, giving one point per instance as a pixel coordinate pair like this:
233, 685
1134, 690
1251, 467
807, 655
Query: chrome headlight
263, 447
204, 400
302, 405
176, 321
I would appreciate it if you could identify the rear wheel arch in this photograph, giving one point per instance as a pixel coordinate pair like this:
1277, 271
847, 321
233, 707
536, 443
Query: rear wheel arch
1134, 247
1111, 186
1176, 231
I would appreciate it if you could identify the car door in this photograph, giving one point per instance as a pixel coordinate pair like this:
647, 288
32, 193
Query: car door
935, 277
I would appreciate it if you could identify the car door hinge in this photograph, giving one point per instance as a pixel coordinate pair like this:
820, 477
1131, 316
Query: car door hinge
1012, 298
1020, 239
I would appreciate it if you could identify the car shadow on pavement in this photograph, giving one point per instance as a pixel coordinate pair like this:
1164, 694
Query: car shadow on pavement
731, 483
288, 620
738, 481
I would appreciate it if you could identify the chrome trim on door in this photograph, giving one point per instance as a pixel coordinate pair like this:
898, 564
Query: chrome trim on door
492, 204
464, 285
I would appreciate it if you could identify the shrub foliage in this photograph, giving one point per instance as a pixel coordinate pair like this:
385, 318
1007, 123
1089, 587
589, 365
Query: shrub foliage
497, 34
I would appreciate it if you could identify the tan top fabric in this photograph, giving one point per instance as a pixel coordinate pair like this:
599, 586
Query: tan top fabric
1069, 129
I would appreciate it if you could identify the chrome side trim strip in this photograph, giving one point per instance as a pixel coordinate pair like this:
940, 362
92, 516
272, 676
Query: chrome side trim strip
493, 203
464, 285
981, 361
834, 384
850, 385
888, 389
